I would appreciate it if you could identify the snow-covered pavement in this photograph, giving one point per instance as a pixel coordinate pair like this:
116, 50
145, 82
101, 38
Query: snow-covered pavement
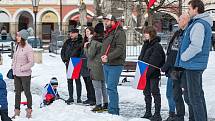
131, 100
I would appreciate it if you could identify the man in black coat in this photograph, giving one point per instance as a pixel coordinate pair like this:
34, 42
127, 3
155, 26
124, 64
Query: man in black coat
72, 48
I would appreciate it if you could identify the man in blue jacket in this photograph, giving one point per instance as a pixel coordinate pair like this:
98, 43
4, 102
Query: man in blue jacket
3, 100
193, 57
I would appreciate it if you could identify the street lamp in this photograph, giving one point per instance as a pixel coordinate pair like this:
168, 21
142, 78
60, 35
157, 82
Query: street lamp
35, 4
61, 16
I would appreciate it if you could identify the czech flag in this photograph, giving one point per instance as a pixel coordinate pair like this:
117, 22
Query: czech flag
50, 90
140, 75
74, 68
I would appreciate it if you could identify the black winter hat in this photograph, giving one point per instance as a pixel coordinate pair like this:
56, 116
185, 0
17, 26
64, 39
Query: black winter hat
99, 28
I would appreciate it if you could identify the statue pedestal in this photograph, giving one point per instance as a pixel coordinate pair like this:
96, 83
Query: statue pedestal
38, 56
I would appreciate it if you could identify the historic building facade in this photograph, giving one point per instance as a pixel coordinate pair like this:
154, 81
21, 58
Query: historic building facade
18, 14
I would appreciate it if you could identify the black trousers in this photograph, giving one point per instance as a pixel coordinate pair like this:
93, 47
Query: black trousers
152, 89
22, 83
4, 115
78, 88
90, 89
177, 95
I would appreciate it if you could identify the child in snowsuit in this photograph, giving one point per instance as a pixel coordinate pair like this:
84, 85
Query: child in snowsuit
50, 93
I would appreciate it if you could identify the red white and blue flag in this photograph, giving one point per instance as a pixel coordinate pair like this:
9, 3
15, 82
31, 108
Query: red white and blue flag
140, 75
74, 68
48, 94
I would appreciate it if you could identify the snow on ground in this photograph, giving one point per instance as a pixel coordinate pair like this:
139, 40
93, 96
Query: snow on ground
131, 100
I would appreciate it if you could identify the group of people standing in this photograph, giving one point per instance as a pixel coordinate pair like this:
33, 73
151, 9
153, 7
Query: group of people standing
187, 58
103, 50
103, 54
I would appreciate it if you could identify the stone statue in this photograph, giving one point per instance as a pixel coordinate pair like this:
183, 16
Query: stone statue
128, 15
106, 7
83, 13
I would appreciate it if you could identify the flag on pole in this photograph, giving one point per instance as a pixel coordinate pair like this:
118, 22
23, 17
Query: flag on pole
140, 75
74, 68
151, 3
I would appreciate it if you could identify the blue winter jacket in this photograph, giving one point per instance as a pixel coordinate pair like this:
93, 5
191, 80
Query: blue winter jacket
195, 45
3, 94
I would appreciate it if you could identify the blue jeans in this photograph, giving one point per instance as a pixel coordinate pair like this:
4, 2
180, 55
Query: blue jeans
194, 95
169, 95
112, 75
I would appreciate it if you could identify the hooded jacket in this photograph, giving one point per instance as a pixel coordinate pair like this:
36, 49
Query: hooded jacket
195, 45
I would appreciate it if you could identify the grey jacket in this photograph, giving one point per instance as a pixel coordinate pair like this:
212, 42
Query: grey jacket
93, 54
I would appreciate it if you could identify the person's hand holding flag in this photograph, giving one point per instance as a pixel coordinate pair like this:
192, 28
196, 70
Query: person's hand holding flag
104, 59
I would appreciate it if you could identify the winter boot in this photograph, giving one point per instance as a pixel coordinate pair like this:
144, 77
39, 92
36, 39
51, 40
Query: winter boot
179, 118
79, 100
97, 108
148, 113
69, 101
105, 106
156, 117
86, 102
17, 113
28, 113
171, 116
89, 102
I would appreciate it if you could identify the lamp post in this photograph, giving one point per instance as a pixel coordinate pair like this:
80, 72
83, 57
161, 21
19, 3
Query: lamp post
61, 16
35, 4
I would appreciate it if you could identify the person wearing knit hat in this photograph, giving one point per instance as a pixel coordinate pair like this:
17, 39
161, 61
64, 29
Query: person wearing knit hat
23, 61
50, 93
54, 81
99, 28
24, 34
93, 54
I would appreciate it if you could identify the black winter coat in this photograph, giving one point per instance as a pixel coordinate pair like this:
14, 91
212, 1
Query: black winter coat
172, 51
153, 53
71, 48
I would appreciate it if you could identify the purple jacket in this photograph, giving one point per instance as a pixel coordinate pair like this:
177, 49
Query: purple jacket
23, 60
